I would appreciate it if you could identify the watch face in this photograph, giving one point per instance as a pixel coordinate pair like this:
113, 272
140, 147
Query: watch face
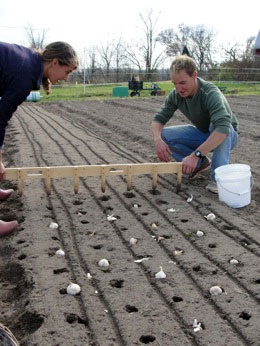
198, 153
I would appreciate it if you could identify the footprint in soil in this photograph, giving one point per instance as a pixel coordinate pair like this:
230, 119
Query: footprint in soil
28, 323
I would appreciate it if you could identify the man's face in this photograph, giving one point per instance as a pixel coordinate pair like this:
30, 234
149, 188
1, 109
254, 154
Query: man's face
185, 85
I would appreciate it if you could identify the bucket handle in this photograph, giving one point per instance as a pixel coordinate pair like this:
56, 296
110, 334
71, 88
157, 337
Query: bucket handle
239, 193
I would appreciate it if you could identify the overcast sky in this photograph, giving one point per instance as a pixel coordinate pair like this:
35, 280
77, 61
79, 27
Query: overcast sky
83, 23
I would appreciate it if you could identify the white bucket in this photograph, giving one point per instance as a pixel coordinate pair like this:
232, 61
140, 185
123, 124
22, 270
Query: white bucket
34, 96
234, 184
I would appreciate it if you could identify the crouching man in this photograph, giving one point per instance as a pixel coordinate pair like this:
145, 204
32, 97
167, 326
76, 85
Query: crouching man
213, 125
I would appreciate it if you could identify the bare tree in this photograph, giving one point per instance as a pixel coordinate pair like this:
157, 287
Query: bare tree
198, 39
232, 53
90, 64
144, 53
175, 40
202, 46
120, 57
36, 38
106, 53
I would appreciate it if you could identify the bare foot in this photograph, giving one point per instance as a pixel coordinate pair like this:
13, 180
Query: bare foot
4, 194
7, 227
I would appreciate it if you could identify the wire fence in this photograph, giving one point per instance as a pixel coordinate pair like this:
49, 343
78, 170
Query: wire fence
100, 76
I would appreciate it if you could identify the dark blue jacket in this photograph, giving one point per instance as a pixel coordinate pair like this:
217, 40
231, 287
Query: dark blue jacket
21, 71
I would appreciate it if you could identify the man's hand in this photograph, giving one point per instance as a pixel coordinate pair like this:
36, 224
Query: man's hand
189, 163
162, 150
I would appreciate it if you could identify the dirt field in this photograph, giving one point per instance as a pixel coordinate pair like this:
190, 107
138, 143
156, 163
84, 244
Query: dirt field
125, 304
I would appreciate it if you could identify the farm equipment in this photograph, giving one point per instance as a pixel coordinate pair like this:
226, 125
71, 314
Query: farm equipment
137, 86
102, 171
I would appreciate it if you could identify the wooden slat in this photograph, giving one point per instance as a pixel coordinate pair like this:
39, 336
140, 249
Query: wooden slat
102, 171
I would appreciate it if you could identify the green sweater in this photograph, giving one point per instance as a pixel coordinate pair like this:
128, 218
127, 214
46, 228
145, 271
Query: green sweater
207, 106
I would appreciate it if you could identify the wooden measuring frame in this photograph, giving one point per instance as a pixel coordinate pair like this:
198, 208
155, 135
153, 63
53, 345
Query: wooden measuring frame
102, 171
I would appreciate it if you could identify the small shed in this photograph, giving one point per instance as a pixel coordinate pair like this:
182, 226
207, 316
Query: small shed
257, 45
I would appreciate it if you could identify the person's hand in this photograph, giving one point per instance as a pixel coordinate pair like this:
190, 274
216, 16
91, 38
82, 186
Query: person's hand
2, 171
162, 150
189, 163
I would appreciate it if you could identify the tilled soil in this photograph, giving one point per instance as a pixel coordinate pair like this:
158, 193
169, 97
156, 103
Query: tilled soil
125, 304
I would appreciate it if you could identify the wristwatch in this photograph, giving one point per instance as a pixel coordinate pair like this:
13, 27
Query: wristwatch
198, 154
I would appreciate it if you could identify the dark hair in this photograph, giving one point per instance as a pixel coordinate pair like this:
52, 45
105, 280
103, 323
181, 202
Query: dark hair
62, 51
183, 62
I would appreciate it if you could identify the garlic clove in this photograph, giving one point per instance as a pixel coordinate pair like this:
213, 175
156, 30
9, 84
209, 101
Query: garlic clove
210, 217
53, 225
111, 217
73, 289
200, 234
136, 206
215, 290
89, 276
160, 238
154, 225
103, 263
171, 210
196, 326
233, 261
190, 199
161, 274
141, 260
60, 253
133, 241
178, 252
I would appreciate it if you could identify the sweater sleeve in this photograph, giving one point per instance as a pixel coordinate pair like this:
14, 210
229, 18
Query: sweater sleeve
10, 100
167, 110
219, 114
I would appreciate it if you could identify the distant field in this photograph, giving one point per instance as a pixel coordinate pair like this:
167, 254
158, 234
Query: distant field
76, 92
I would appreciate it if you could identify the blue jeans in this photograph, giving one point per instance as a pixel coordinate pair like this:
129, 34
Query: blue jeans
184, 139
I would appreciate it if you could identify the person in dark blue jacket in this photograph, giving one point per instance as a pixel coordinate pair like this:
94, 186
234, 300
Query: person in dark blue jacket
21, 71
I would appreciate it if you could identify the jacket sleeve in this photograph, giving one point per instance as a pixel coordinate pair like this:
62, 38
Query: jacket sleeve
10, 100
220, 117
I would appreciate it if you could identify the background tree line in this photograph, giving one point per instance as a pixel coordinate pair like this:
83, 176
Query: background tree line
149, 57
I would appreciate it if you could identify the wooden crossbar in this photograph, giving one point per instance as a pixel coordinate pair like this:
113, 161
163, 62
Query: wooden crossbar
102, 171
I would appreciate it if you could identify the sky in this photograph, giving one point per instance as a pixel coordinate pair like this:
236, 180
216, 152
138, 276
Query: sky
84, 23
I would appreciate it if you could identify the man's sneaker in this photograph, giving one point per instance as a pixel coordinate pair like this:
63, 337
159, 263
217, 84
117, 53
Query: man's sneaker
212, 187
205, 165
